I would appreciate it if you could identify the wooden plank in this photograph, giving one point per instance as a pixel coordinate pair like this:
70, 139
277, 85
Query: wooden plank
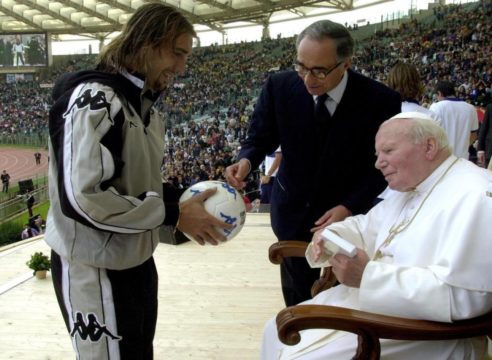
213, 301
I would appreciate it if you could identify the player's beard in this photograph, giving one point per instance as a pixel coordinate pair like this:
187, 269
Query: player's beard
162, 81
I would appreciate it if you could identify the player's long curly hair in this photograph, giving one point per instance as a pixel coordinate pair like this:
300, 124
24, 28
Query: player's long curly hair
152, 25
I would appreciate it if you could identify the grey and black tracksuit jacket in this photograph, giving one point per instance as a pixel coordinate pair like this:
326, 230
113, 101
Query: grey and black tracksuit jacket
106, 150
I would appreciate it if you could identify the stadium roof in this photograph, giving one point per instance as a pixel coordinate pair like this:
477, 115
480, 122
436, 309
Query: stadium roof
98, 18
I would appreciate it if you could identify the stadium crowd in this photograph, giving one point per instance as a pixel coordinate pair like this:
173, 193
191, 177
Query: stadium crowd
454, 46
208, 108
23, 108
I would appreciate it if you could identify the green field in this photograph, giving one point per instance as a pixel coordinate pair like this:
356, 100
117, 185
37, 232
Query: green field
37, 181
10, 231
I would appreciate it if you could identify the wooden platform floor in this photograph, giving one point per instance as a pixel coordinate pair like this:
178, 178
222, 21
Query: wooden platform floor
213, 301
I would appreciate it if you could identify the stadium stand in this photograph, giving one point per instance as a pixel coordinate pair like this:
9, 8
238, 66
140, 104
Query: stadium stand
207, 110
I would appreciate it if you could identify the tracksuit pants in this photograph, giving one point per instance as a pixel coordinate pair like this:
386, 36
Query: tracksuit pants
109, 314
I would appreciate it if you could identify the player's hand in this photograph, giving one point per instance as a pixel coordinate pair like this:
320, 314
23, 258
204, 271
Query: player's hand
195, 221
338, 213
236, 173
349, 270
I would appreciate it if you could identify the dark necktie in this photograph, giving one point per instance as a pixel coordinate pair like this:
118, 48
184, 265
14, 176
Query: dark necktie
322, 119
321, 114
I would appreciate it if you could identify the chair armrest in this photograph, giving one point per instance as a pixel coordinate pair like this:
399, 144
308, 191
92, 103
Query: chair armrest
293, 248
372, 327
288, 248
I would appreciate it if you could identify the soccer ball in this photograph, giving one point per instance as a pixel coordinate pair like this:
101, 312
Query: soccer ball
226, 204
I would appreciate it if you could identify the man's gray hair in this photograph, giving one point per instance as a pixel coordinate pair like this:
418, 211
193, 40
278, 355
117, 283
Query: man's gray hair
422, 128
326, 29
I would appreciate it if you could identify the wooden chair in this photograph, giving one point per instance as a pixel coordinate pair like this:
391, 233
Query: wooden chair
368, 326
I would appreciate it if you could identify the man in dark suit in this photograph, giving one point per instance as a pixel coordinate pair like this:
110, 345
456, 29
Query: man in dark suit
485, 138
327, 171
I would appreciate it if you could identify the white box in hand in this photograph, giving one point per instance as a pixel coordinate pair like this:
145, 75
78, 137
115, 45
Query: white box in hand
336, 245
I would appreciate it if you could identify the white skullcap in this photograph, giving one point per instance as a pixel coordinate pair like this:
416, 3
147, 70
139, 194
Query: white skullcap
412, 115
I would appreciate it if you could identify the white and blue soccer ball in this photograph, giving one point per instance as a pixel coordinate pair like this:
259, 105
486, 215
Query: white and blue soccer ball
226, 204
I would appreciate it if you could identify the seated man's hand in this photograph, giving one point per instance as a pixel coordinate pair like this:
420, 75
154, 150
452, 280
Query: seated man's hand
195, 221
317, 245
349, 270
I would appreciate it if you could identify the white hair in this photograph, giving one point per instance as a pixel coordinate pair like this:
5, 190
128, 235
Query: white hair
422, 128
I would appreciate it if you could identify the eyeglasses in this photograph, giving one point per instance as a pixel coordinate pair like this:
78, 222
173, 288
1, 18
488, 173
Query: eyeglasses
317, 72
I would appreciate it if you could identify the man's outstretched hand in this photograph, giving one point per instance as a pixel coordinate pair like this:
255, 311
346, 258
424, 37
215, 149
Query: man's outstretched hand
195, 221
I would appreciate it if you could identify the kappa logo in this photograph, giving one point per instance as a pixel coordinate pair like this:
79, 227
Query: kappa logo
230, 189
195, 192
96, 102
229, 220
90, 328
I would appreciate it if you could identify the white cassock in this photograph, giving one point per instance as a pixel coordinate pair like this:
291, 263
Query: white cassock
437, 267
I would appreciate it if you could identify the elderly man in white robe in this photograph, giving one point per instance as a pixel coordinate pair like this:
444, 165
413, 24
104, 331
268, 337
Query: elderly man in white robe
422, 253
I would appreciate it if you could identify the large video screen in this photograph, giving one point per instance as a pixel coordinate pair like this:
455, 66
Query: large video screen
23, 50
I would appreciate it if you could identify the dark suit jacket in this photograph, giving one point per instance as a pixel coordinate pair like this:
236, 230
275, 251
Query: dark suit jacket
309, 182
485, 134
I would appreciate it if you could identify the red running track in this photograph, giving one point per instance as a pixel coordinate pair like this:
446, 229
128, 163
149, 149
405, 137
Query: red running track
21, 165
